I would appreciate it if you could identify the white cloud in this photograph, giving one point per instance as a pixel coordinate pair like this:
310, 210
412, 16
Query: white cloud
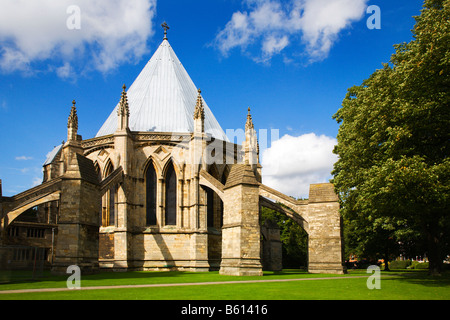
21, 158
323, 20
65, 71
3, 105
110, 33
36, 181
25, 170
291, 164
275, 24
273, 45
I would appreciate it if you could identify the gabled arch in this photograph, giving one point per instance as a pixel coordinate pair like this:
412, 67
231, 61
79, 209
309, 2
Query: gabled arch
176, 166
151, 160
108, 169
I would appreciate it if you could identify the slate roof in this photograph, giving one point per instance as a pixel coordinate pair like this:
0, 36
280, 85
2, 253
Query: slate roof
163, 99
52, 155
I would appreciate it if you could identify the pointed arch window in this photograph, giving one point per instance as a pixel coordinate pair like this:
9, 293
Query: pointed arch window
210, 206
109, 207
150, 180
99, 177
212, 199
171, 196
112, 205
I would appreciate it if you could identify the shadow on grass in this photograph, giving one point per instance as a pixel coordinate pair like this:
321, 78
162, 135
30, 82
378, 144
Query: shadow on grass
162, 277
285, 272
185, 276
109, 278
420, 277
49, 280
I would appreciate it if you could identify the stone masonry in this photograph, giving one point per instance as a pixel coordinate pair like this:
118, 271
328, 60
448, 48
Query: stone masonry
135, 200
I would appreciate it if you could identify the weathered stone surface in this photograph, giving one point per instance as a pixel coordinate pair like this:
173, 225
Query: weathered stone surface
104, 181
77, 242
241, 231
129, 244
322, 192
271, 256
324, 235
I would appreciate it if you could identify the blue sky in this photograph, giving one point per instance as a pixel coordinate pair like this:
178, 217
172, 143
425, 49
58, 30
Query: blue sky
291, 61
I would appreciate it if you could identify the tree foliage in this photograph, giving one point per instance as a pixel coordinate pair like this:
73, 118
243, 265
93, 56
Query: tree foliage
393, 170
293, 238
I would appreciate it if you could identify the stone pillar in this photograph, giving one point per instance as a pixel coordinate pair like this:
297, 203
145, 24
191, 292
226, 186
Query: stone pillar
199, 115
197, 198
123, 143
73, 144
199, 239
324, 236
77, 241
241, 231
250, 144
72, 124
199, 236
121, 232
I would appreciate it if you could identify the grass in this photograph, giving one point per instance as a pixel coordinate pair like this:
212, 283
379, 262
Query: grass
400, 285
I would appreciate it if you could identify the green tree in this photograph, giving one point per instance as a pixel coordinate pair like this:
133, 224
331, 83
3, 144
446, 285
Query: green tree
393, 170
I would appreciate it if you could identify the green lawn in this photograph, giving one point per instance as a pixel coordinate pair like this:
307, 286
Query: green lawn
399, 285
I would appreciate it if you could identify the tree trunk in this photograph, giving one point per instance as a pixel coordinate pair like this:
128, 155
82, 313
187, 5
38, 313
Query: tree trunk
386, 260
434, 254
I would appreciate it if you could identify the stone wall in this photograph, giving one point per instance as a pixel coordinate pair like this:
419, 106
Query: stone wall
77, 242
241, 231
168, 251
271, 253
214, 249
189, 244
324, 234
106, 246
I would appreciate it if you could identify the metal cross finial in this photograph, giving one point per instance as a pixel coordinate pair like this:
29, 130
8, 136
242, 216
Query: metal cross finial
165, 27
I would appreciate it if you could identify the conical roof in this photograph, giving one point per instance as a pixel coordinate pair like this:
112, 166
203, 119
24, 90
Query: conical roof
163, 99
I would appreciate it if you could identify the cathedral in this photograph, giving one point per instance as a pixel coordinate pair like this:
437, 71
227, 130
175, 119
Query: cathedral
160, 187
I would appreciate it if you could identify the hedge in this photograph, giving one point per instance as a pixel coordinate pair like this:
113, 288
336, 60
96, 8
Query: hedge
407, 264
399, 264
